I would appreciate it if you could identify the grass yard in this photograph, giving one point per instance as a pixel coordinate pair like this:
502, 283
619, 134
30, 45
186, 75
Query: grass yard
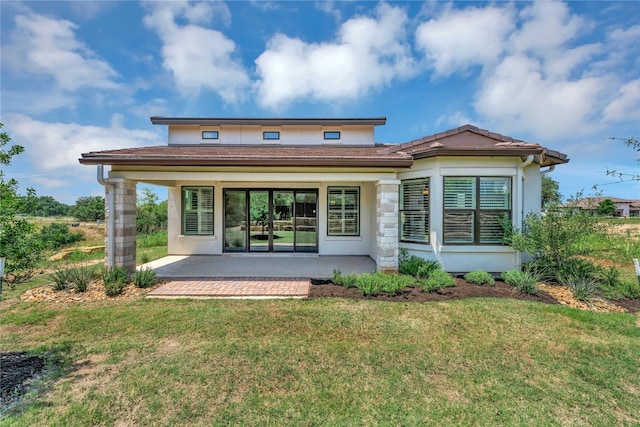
328, 362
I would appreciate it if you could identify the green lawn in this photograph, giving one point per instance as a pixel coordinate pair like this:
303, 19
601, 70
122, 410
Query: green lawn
328, 362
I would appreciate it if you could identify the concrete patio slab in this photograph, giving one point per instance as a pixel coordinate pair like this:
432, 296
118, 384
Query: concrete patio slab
250, 265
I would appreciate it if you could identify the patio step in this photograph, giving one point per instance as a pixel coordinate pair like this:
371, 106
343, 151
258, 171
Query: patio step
233, 287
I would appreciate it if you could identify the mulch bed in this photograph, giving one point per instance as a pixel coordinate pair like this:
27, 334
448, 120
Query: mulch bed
464, 289
18, 370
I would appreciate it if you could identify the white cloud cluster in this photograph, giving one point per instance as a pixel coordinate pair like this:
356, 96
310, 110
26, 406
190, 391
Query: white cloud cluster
198, 57
57, 146
48, 47
369, 53
535, 75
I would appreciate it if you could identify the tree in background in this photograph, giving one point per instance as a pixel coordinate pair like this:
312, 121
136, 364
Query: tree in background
18, 243
46, 206
607, 207
88, 209
550, 192
151, 215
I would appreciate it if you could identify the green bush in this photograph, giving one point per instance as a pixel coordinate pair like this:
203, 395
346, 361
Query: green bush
582, 288
368, 284
81, 277
393, 284
479, 277
158, 238
61, 279
57, 235
144, 278
524, 281
415, 266
346, 280
613, 287
114, 280
438, 279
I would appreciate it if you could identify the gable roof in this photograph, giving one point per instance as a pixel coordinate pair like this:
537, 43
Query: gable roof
469, 140
250, 155
594, 201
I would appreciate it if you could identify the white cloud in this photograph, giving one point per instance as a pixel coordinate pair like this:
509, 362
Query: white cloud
198, 57
50, 182
459, 39
369, 53
56, 147
627, 105
48, 47
537, 76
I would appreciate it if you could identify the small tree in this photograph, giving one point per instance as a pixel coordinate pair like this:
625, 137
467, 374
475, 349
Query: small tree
151, 216
607, 207
18, 244
550, 192
88, 209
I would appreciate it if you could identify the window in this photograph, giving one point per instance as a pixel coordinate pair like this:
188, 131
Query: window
332, 135
475, 208
197, 210
414, 210
210, 134
344, 211
273, 135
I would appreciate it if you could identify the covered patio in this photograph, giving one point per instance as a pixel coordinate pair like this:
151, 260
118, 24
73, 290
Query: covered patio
248, 275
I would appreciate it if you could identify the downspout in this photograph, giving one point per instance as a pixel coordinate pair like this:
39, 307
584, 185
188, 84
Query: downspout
551, 168
112, 217
520, 200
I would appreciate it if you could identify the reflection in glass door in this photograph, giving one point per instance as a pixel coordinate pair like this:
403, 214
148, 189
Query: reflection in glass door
270, 220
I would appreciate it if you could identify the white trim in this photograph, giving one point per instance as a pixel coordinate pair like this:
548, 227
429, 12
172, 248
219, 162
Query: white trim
488, 171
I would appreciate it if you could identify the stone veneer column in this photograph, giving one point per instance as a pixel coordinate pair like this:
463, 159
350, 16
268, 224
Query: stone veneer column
125, 224
387, 199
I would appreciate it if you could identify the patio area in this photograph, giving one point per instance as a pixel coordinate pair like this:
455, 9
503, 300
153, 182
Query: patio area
248, 276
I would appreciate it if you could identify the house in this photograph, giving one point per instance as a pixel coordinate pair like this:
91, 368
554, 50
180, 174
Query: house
625, 208
323, 186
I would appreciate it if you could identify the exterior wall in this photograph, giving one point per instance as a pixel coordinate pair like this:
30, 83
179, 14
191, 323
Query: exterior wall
465, 258
387, 226
124, 232
289, 135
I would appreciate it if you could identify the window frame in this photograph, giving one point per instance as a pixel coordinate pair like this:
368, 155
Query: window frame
214, 138
342, 211
200, 211
402, 210
276, 135
327, 135
477, 210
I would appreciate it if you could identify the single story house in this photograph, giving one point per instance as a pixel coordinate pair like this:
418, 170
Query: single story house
324, 186
625, 208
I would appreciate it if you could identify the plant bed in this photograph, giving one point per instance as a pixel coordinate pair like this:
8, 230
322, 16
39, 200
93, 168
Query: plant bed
462, 289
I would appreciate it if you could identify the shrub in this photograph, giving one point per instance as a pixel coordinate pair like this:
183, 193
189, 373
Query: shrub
393, 284
57, 235
416, 266
613, 287
144, 258
346, 280
582, 288
114, 280
438, 279
479, 277
144, 278
524, 281
61, 279
368, 284
81, 277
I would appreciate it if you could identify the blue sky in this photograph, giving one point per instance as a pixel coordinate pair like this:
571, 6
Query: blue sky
83, 76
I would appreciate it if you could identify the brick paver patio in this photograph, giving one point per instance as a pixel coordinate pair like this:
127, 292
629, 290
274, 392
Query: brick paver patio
233, 287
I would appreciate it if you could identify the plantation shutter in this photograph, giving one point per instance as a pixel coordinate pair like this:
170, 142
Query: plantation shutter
495, 206
343, 211
414, 210
459, 210
197, 204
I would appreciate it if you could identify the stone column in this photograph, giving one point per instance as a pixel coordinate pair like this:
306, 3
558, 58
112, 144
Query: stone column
387, 199
124, 232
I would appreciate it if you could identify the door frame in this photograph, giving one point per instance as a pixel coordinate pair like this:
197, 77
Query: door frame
270, 191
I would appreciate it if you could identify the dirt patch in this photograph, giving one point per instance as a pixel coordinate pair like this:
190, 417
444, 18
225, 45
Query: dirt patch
19, 371
463, 289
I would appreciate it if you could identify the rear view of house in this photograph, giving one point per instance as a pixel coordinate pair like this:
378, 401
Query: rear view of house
323, 186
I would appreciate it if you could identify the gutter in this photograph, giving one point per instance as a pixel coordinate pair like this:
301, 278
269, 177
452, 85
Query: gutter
551, 168
112, 217
520, 199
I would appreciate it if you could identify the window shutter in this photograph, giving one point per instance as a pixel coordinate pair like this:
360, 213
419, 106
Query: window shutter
197, 210
459, 193
343, 211
414, 210
458, 227
495, 193
491, 229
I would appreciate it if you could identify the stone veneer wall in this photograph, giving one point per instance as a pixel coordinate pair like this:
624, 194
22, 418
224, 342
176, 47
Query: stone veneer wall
387, 199
125, 224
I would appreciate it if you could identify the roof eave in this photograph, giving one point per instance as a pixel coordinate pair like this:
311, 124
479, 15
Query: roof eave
389, 163
216, 121
471, 152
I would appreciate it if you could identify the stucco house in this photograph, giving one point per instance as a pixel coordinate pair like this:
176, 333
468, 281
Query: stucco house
625, 208
324, 186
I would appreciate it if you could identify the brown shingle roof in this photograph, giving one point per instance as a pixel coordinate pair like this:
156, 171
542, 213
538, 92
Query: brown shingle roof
250, 156
469, 140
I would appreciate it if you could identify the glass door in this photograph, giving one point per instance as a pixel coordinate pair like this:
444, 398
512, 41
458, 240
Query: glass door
306, 221
235, 220
260, 221
283, 228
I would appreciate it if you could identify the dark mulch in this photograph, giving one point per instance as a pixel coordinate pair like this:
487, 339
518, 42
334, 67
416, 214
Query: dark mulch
631, 305
462, 290
18, 370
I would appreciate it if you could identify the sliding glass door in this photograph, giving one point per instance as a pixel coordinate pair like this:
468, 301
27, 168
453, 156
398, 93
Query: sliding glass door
271, 220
